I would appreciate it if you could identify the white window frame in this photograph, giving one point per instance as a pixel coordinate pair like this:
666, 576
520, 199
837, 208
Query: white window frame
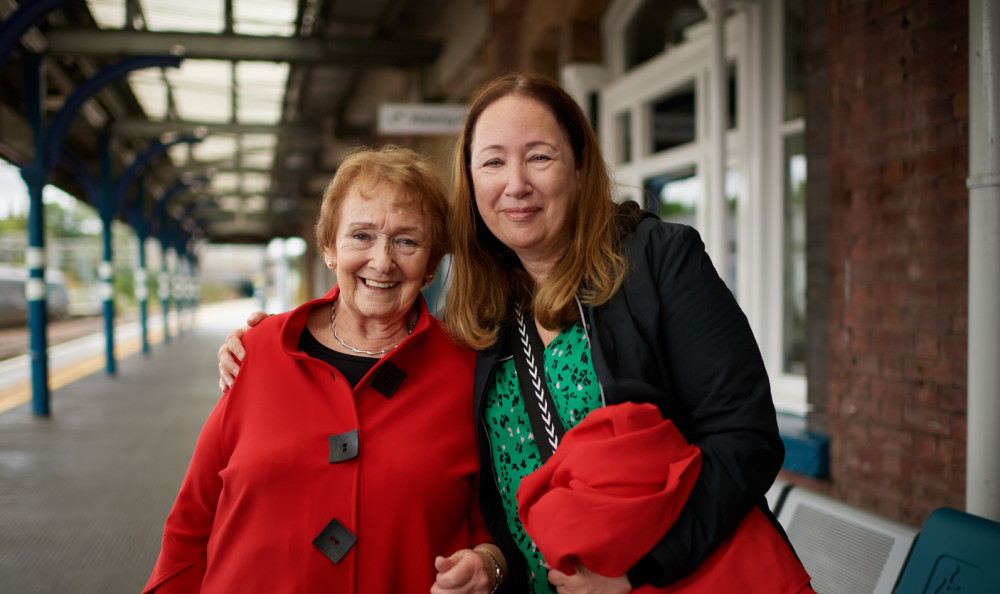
755, 149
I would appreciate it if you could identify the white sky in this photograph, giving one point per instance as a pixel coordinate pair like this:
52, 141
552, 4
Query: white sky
14, 194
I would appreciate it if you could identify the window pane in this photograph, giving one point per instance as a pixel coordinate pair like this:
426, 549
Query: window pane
657, 26
732, 191
676, 195
673, 119
794, 249
732, 88
795, 59
623, 137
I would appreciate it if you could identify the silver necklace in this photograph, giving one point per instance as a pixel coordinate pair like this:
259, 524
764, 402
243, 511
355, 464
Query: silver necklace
333, 316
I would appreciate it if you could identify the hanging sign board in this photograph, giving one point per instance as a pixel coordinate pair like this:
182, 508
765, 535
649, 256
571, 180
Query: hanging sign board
420, 119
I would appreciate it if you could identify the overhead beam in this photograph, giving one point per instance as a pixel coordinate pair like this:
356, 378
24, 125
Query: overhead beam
212, 46
202, 166
140, 127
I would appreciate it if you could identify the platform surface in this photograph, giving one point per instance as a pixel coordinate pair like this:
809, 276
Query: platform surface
84, 493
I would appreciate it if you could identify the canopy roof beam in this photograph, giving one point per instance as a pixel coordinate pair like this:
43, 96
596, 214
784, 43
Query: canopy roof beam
209, 46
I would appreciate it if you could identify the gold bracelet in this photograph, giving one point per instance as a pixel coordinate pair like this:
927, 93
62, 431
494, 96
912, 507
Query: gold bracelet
498, 571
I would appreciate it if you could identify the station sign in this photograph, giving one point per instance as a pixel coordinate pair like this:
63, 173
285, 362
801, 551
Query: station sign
420, 119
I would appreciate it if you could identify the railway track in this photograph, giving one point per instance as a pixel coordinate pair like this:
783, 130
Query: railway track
14, 341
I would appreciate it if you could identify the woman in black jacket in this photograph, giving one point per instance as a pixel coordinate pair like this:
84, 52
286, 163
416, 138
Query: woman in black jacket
624, 306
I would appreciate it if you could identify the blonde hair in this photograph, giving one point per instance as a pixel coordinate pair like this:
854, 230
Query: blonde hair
405, 169
487, 277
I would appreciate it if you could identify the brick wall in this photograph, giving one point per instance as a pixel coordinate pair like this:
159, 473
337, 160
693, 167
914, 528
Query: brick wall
897, 114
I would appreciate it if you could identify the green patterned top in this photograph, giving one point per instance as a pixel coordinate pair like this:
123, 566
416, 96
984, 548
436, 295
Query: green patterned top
575, 391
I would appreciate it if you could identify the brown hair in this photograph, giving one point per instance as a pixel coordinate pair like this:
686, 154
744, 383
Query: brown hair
487, 277
403, 168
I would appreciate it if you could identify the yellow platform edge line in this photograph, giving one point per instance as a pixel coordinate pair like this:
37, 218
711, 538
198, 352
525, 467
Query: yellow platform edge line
20, 393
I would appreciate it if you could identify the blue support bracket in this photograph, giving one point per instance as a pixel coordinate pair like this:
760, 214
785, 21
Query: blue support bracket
109, 74
25, 17
84, 177
139, 162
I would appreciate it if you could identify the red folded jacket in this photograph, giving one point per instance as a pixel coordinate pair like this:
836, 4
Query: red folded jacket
615, 486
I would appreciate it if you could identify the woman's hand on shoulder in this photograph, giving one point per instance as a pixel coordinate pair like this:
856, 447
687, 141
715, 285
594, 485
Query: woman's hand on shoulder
231, 352
465, 572
585, 581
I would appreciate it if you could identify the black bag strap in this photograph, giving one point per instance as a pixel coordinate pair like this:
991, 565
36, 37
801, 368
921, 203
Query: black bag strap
529, 361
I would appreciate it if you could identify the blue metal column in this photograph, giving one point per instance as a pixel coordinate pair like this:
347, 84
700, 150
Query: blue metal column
178, 289
163, 287
36, 290
105, 270
141, 282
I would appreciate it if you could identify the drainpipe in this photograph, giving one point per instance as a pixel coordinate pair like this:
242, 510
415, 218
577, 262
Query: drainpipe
982, 484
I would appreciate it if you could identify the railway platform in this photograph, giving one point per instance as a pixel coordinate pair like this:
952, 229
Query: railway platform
84, 493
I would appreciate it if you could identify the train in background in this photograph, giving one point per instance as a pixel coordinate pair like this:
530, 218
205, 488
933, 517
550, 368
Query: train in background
14, 302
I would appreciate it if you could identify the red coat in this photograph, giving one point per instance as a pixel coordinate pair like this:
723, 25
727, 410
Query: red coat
615, 485
261, 487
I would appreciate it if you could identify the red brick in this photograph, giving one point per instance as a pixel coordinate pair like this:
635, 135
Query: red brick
933, 164
861, 409
924, 293
891, 413
891, 367
890, 439
929, 471
855, 431
892, 293
894, 267
952, 451
928, 420
960, 106
861, 317
959, 372
925, 446
891, 391
892, 318
892, 342
959, 427
935, 320
930, 369
953, 398
952, 238
954, 345
954, 133
926, 344
926, 395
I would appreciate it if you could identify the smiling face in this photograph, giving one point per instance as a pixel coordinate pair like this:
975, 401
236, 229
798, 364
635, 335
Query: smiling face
525, 179
381, 254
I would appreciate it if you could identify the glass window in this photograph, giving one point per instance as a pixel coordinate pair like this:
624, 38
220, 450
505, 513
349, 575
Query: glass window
794, 240
795, 59
676, 195
732, 191
657, 26
623, 137
594, 110
732, 88
673, 118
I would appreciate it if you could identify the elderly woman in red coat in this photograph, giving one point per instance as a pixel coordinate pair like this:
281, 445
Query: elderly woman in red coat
344, 458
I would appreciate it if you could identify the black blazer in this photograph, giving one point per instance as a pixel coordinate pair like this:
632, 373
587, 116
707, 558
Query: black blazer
673, 335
